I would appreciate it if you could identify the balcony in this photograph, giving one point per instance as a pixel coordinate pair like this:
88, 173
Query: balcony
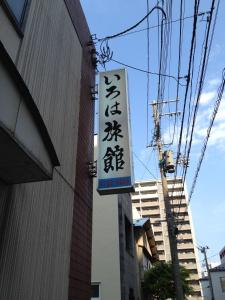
189, 266
184, 236
160, 247
183, 256
157, 229
158, 237
150, 204
178, 201
144, 196
194, 277
151, 212
146, 188
185, 246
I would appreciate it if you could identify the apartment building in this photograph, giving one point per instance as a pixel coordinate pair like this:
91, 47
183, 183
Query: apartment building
148, 200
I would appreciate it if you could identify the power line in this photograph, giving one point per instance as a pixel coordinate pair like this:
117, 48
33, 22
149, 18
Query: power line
179, 64
202, 77
205, 57
217, 104
145, 71
196, 6
148, 68
188, 76
144, 165
213, 116
135, 25
156, 26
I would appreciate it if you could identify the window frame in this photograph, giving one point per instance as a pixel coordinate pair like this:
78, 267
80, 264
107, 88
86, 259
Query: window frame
222, 284
99, 290
18, 25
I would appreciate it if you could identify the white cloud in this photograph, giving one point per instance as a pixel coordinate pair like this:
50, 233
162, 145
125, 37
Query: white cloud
207, 97
221, 112
214, 82
217, 135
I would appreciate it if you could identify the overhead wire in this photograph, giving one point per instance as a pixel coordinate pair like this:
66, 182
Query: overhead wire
145, 71
203, 69
179, 65
144, 165
201, 65
202, 76
158, 8
156, 26
149, 158
196, 7
178, 86
212, 119
220, 91
148, 75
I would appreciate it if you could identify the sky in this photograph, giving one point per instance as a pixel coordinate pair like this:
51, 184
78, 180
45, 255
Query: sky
110, 17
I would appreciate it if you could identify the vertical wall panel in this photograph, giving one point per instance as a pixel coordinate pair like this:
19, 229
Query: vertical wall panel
35, 241
50, 63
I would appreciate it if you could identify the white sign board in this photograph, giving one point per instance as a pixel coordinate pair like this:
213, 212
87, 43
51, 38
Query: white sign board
115, 168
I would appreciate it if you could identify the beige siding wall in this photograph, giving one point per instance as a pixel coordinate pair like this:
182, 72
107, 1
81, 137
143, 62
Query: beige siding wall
105, 245
35, 240
36, 219
50, 63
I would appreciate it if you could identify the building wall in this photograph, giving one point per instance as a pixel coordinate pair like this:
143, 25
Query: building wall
148, 199
105, 246
113, 266
81, 244
38, 259
219, 294
128, 259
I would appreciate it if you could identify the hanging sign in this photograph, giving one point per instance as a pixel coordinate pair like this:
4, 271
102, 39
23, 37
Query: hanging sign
115, 168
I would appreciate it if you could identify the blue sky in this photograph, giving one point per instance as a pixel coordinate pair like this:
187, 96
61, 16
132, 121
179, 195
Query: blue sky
110, 17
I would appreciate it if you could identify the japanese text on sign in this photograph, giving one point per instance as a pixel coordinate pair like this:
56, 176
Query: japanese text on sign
114, 162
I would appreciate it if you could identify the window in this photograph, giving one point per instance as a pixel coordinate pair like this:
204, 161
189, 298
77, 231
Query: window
159, 243
185, 251
222, 282
157, 233
193, 271
157, 224
131, 294
95, 291
17, 11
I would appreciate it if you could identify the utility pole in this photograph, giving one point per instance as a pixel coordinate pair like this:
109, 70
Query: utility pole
169, 215
203, 250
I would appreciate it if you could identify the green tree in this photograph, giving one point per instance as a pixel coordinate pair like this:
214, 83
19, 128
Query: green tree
159, 283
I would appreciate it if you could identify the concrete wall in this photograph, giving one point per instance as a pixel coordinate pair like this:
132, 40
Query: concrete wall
217, 290
105, 246
37, 220
218, 293
128, 259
